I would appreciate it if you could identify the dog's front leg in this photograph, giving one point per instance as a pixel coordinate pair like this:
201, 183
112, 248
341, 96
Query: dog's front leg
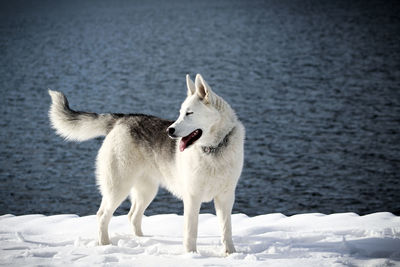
223, 206
191, 217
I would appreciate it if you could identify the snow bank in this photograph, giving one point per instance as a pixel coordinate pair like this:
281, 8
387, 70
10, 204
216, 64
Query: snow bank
268, 240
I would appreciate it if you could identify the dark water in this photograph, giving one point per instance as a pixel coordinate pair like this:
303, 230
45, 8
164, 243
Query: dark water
317, 86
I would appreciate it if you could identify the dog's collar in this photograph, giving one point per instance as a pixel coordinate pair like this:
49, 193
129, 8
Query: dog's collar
215, 149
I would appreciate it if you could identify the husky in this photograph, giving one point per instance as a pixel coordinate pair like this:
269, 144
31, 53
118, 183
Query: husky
198, 158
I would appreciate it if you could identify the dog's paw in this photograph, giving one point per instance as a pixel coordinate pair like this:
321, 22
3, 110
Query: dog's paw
192, 255
138, 233
103, 242
229, 250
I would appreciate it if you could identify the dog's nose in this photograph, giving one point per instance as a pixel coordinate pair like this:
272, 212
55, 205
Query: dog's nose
171, 131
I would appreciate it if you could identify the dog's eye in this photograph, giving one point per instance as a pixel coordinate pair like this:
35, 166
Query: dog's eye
189, 113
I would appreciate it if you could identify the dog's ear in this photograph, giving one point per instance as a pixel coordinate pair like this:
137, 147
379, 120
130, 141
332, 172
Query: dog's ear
191, 88
203, 89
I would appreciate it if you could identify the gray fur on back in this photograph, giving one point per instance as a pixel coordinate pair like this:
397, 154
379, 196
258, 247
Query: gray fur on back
151, 133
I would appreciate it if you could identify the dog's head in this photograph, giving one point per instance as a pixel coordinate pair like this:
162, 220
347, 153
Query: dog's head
203, 116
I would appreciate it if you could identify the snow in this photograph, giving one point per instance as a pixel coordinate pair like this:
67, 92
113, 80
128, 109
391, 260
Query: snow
344, 239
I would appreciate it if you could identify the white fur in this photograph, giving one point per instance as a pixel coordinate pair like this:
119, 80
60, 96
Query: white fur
81, 130
125, 167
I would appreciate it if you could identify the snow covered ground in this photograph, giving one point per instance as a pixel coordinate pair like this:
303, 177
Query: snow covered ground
268, 240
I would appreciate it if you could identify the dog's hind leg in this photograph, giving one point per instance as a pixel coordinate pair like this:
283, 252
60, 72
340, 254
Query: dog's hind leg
103, 219
113, 173
104, 215
109, 204
223, 206
141, 197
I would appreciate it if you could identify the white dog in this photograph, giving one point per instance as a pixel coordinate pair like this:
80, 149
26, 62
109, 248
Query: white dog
198, 158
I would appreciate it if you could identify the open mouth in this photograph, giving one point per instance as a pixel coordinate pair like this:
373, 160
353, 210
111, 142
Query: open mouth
189, 139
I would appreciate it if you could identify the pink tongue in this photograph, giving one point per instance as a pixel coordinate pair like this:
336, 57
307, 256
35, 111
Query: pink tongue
183, 142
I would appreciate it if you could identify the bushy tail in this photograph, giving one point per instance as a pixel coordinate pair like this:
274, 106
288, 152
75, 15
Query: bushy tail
77, 125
